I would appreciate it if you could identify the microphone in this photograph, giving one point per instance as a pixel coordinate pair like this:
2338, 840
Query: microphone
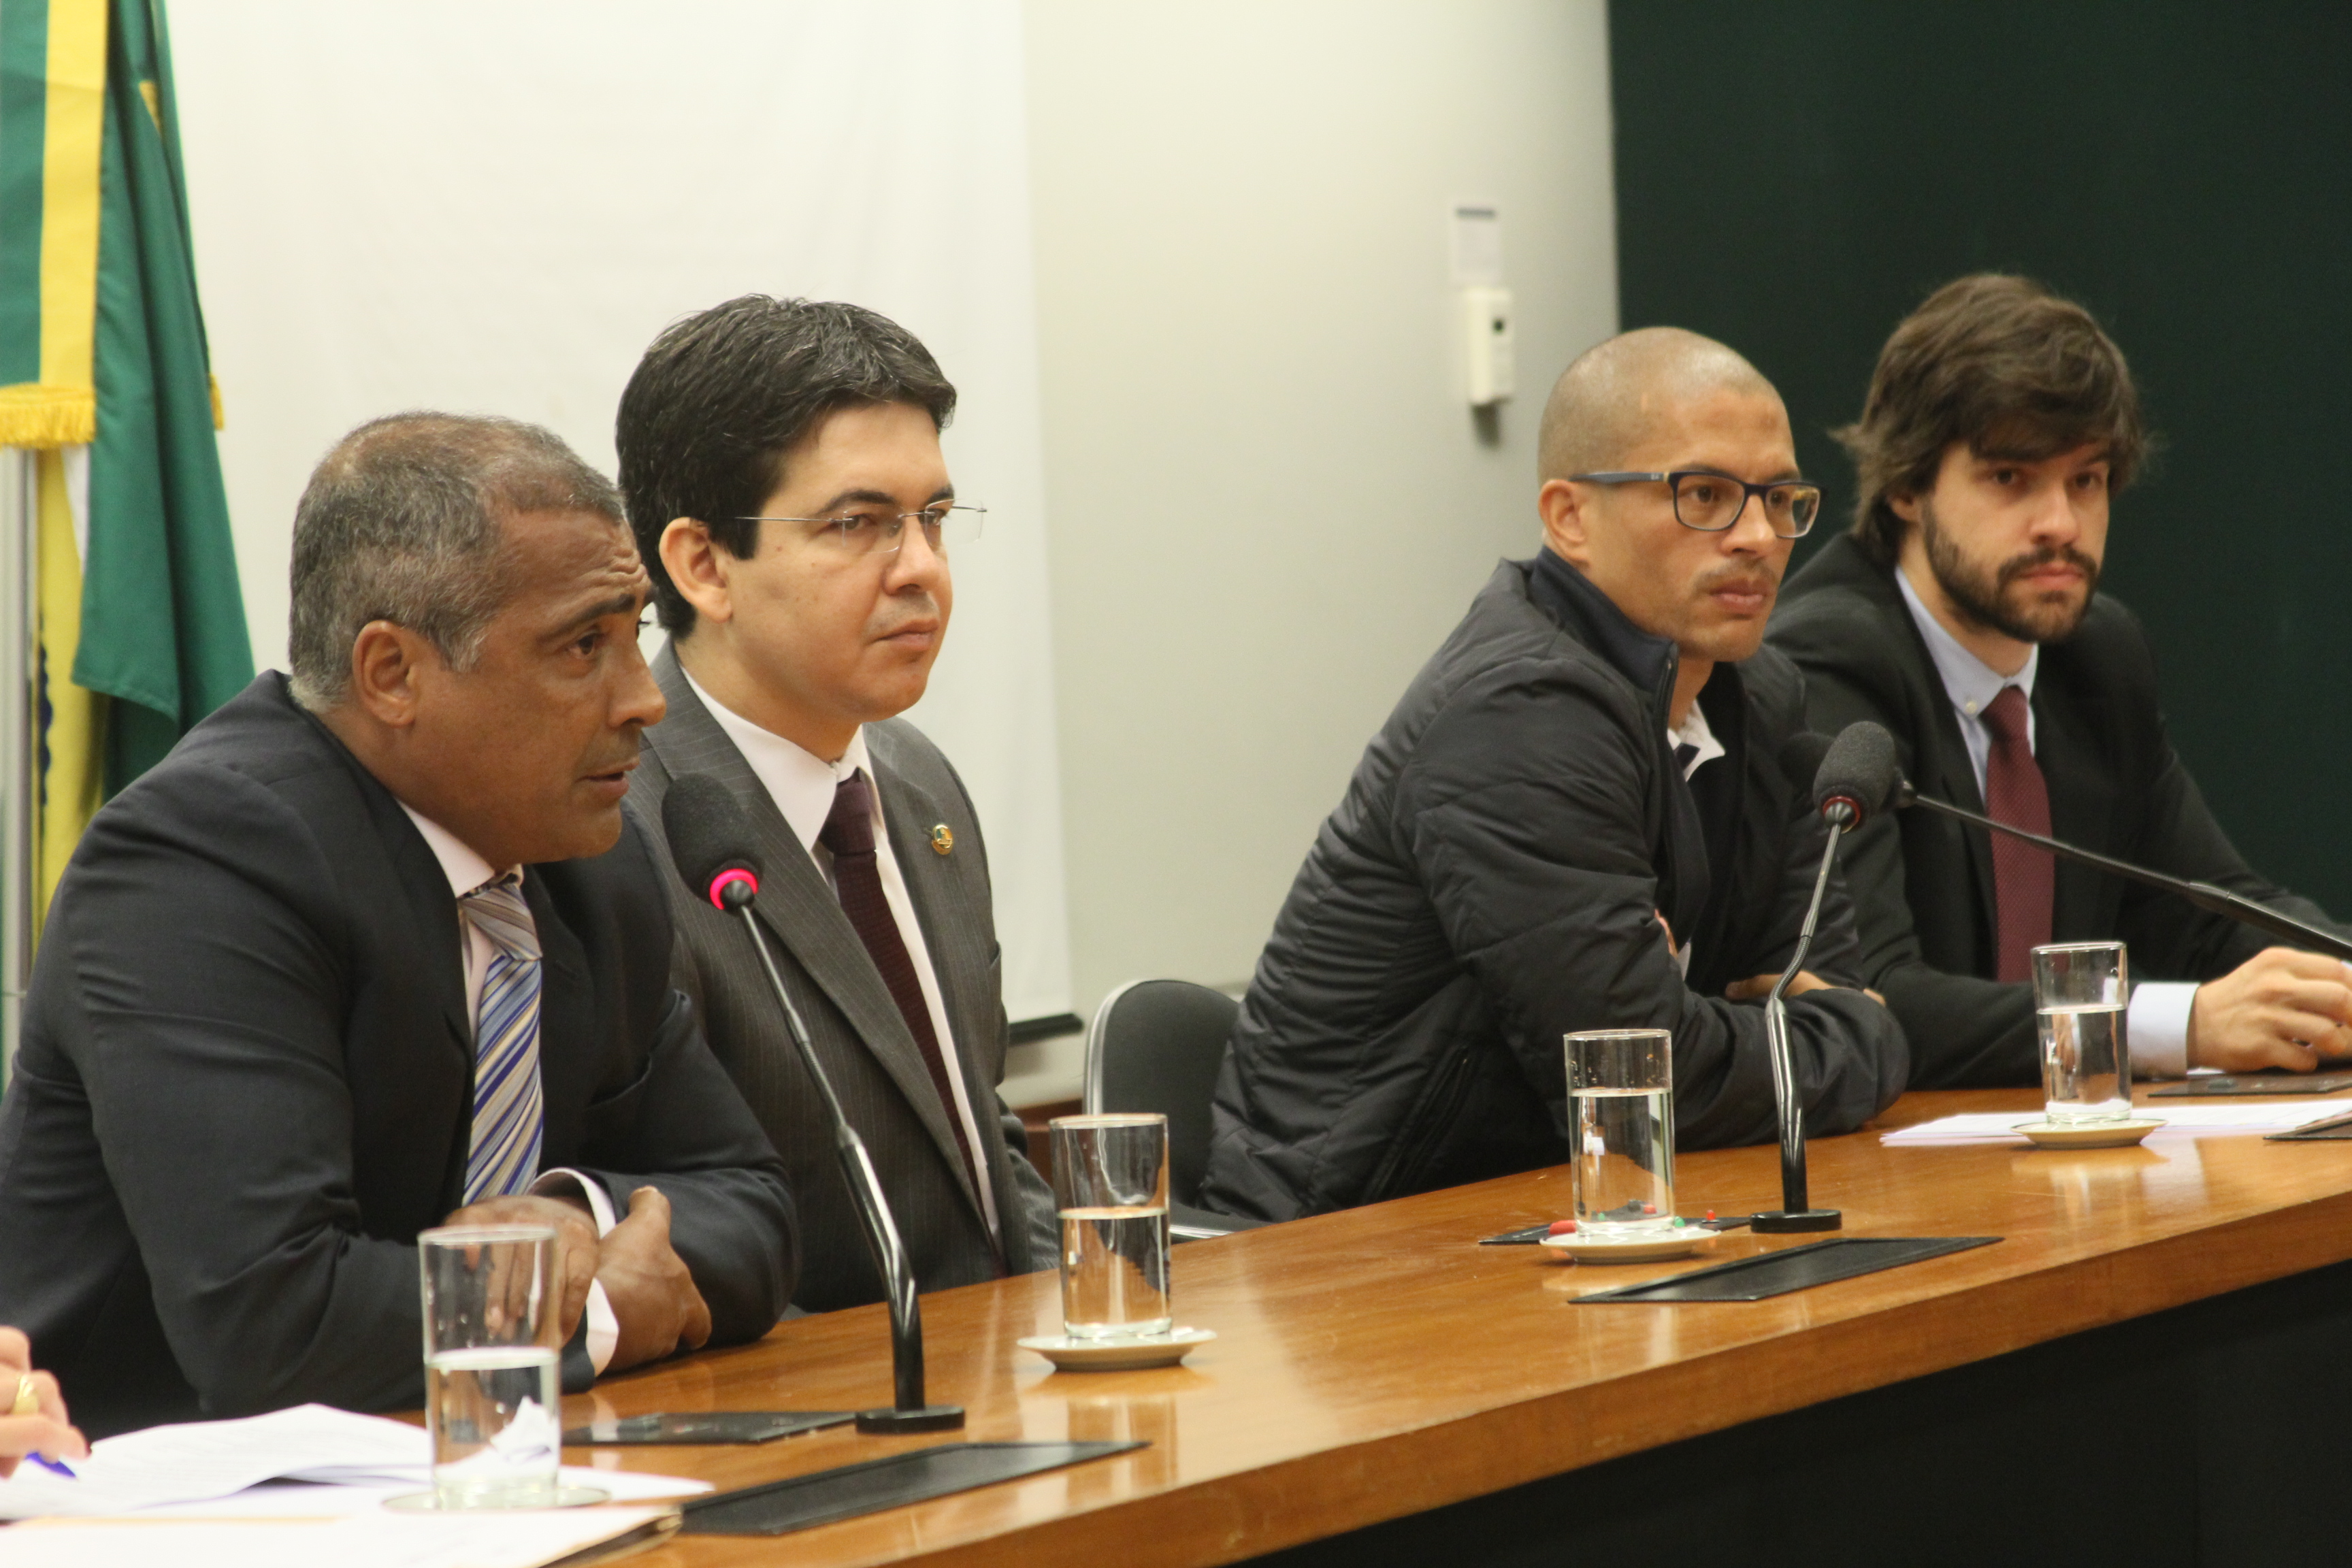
2204, 895
1854, 777
711, 840
1858, 775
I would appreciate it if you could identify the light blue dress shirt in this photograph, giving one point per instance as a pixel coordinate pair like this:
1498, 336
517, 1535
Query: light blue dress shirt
2157, 1022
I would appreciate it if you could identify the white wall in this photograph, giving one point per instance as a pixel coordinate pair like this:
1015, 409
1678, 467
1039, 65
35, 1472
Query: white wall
1263, 501
494, 208
1268, 504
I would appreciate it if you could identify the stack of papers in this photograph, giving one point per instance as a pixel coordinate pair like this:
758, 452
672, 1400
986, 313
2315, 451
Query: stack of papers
2180, 1122
384, 1541
339, 1464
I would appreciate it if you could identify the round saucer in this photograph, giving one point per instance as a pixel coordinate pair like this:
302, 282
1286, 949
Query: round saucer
1069, 1354
2089, 1134
1680, 1242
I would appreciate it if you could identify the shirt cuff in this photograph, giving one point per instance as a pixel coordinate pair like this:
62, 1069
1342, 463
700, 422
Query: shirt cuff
2158, 1021
603, 1326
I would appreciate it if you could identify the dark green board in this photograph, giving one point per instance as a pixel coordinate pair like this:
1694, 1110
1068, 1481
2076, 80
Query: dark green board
1794, 175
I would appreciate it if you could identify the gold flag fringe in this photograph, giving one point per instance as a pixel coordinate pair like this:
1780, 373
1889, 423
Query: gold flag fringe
45, 417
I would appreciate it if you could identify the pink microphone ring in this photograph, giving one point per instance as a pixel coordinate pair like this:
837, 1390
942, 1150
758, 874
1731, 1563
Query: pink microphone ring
733, 874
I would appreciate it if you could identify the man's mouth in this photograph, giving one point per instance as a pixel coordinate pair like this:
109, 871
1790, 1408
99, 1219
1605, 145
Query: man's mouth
614, 777
1742, 595
912, 634
2058, 570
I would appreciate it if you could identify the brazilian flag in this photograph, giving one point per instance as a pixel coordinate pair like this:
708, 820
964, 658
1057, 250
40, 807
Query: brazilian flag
105, 378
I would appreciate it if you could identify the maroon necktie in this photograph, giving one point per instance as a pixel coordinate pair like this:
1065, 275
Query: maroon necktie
2024, 879
849, 833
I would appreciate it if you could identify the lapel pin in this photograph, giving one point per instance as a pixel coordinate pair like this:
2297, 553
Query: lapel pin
942, 840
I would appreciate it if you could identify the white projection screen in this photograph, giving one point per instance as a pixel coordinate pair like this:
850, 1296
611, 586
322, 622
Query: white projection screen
493, 208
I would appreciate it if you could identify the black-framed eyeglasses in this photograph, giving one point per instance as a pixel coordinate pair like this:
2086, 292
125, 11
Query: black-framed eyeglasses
876, 531
1712, 502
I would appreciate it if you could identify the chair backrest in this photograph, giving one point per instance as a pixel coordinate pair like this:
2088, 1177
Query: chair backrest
1156, 1045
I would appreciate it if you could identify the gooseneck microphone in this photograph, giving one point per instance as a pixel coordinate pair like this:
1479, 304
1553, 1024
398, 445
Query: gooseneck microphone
1853, 777
2204, 895
711, 840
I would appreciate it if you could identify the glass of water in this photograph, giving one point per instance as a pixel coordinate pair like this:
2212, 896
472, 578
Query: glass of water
1620, 1118
2080, 990
1110, 1187
491, 1395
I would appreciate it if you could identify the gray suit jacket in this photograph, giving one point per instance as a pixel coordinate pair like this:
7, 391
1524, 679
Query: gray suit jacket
859, 1034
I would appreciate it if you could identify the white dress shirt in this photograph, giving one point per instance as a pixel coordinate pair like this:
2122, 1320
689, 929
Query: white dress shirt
2157, 1021
467, 872
802, 784
1696, 732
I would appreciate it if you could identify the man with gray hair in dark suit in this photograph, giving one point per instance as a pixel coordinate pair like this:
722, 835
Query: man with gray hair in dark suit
785, 479
372, 950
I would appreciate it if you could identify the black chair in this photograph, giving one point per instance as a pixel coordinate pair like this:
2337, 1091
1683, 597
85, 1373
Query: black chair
1156, 1045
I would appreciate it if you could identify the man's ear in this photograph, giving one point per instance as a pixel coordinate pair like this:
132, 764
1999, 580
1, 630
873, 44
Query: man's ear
1567, 513
386, 661
1904, 506
697, 567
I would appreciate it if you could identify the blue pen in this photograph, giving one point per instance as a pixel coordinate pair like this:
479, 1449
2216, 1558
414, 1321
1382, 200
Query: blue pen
54, 1467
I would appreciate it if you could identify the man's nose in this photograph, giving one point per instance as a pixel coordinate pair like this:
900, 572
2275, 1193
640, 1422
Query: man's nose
637, 699
2053, 520
918, 563
1751, 530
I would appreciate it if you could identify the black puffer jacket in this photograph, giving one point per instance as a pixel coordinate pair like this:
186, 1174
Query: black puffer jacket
1493, 880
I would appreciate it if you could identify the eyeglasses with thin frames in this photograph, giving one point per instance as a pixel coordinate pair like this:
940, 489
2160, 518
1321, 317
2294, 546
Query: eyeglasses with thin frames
1711, 501
874, 531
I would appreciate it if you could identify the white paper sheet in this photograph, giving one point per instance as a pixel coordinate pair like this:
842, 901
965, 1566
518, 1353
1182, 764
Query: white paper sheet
520, 1540
367, 1457
2180, 1122
299, 1499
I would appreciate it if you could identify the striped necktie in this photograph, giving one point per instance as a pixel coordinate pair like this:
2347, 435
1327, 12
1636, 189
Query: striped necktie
508, 1117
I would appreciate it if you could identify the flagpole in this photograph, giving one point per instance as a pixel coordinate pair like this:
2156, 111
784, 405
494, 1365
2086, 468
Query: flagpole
19, 741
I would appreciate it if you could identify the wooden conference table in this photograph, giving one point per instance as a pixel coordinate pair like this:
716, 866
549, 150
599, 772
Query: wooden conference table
1375, 1365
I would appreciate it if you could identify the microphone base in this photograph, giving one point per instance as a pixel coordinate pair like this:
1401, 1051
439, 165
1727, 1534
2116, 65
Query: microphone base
887, 1422
1780, 1222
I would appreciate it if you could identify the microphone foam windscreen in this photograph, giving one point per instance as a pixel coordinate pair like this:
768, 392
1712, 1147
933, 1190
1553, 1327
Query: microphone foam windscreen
1801, 755
1860, 766
707, 832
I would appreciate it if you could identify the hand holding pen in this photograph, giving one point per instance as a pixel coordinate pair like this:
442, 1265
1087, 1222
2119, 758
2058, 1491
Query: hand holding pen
35, 1425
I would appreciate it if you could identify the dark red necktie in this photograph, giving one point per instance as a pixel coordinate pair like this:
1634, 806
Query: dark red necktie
2024, 879
849, 833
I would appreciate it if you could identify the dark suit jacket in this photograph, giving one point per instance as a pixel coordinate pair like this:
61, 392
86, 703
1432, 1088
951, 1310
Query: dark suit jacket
1923, 884
246, 1084
860, 1036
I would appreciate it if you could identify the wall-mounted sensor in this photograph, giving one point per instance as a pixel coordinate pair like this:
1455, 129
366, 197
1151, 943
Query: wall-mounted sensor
1486, 336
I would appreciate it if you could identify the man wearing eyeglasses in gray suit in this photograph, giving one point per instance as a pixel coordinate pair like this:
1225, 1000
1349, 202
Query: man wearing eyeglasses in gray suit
785, 483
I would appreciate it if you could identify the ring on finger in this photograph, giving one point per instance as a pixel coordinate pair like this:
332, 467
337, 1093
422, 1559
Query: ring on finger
28, 1397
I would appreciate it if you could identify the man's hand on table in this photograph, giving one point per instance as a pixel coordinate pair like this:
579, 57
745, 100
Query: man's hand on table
652, 1292
2281, 1008
576, 1247
654, 1303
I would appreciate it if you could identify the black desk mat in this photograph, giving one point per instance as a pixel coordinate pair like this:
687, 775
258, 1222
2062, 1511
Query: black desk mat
2331, 1129
2253, 1083
706, 1428
848, 1490
1791, 1269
